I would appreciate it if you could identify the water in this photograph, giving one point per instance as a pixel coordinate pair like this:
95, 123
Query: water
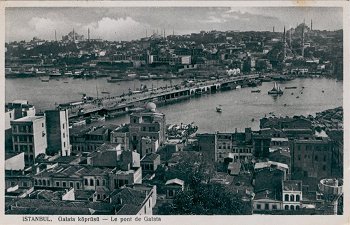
239, 106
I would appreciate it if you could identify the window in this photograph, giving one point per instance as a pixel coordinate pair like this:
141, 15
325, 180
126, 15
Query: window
64, 135
91, 182
324, 158
71, 184
292, 198
292, 207
267, 206
297, 198
297, 207
97, 182
57, 184
171, 193
86, 182
42, 124
24, 184
98, 196
286, 207
274, 207
286, 197
316, 158
64, 184
258, 206
78, 185
44, 182
324, 167
63, 126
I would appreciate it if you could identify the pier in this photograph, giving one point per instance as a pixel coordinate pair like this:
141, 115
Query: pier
118, 105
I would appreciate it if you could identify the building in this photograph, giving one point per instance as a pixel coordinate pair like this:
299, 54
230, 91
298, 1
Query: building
14, 161
57, 128
312, 157
150, 163
146, 124
21, 108
132, 201
29, 136
292, 194
121, 136
296, 122
173, 186
207, 144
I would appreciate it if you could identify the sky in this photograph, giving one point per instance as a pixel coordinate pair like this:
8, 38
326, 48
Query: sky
117, 24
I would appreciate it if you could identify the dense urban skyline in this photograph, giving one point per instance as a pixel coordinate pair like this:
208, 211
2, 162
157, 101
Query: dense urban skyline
132, 23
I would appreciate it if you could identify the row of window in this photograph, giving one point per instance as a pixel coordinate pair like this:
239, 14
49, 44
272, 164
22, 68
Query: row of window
316, 157
47, 183
22, 128
236, 150
22, 138
312, 147
24, 148
291, 198
92, 182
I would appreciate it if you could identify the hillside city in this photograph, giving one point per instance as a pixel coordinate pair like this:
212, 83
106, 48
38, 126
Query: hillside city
59, 162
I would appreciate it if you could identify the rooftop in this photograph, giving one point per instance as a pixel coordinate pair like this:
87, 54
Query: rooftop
175, 181
29, 119
150, 157
292, 185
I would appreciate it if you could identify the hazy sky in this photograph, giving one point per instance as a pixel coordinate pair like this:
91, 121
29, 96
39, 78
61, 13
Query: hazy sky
131, 23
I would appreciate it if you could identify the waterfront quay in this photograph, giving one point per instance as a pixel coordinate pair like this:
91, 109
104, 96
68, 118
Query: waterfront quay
114, 106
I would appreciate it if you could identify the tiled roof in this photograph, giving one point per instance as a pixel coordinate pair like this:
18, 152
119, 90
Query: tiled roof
150, 157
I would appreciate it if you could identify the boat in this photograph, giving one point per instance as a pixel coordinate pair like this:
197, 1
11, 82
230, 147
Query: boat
276, 90
293, 87
55, 73
45, 79
292, 93
297, 96
219, 109
255, 91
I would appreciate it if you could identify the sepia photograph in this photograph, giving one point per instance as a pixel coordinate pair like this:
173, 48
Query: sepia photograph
174, 110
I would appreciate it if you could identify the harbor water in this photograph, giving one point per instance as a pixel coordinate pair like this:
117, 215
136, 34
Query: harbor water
240, 108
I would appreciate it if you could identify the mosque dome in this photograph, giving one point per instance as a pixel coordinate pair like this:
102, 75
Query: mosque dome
151, 106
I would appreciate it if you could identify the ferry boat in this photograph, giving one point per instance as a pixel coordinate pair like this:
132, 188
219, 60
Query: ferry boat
256, 91
55, 73
219, 109
276, 90
293, 87
45, 79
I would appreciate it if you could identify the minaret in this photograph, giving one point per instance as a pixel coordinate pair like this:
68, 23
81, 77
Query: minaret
284, 43
88, 34
146, 33
290, 38
302, 41
55, 36
273, 29
173, 32
311, 25
73, 35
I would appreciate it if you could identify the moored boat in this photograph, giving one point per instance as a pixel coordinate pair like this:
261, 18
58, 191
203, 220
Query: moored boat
276, 90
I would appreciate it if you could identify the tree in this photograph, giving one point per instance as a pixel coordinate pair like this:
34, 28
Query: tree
207, 199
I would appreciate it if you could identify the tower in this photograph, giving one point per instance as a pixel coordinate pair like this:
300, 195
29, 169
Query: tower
284, 43
55, 36
73, 35
290, 38
311, 25
273, 29
57, 127
88, 34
